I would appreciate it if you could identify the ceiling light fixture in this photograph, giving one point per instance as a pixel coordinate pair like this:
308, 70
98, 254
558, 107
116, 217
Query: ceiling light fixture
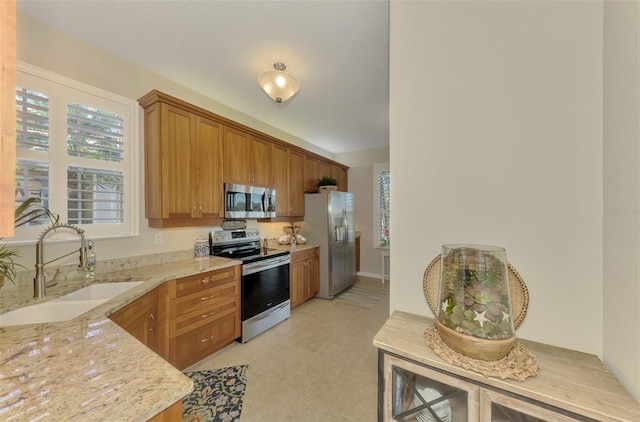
278, 84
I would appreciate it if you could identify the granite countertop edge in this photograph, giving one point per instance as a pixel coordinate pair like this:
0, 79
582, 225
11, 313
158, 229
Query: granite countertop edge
89, 368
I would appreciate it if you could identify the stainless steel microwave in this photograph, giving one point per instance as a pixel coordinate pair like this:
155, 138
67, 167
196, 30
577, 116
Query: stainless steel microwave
242, 201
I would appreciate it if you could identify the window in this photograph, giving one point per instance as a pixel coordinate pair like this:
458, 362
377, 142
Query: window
382, 206
76, 151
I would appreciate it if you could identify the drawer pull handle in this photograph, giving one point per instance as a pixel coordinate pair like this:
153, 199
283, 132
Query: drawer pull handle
205, 281
207, 297
208, 315
207, 339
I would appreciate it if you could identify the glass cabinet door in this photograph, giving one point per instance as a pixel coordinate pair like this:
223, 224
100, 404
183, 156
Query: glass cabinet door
424, 395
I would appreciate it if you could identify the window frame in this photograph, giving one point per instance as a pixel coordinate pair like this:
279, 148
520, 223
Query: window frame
377, 211
60, 90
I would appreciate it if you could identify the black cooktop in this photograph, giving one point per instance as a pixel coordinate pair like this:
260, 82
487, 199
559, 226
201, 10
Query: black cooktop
246, 253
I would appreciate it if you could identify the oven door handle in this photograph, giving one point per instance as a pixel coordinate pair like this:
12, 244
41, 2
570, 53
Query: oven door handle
274, 310
266, 264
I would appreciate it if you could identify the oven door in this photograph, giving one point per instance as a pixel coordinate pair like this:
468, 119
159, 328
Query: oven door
265, 284
242, 201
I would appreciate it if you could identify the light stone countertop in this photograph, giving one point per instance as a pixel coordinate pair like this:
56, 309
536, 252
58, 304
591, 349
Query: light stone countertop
293, 249
89, 368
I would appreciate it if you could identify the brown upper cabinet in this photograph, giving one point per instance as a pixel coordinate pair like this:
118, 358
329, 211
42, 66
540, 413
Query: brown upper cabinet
287, 173
183, 165
190, 153
315, 169
246, 158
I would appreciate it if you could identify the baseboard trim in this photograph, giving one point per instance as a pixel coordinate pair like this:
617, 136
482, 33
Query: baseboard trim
371, 275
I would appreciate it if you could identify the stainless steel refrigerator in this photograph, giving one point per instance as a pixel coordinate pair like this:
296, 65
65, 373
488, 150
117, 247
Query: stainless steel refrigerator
329, 220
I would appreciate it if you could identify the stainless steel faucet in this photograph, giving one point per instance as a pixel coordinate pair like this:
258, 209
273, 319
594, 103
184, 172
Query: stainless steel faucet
39, 281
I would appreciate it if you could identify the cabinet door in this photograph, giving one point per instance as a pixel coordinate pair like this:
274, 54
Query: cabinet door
313, 267
297, 277
279, 177
340, 175
207, 174
343, 180
296, 183
177, 133
140, 319
413, 391
235, 152
310, 174
260, 162
324, 169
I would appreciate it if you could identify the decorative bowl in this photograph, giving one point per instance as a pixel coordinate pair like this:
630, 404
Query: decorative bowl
475, 347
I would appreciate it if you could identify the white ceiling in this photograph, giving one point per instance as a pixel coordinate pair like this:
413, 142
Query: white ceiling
338, 50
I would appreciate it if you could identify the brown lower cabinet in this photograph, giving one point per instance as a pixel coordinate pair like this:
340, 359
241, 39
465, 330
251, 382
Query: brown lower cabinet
187, 319
304, 276
141, 319
170, 414
204, 314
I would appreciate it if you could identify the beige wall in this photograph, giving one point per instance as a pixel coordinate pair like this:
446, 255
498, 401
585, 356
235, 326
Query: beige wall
47, 48
361, 182
496, 138
621, 293
496, 116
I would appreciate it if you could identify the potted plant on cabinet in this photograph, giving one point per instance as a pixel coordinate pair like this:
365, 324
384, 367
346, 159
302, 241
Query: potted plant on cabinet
26, 212
327, 183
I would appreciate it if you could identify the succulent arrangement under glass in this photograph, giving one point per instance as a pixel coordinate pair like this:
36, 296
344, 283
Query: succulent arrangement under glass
474, 316
474, 292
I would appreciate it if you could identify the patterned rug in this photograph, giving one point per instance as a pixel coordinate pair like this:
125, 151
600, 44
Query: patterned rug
359, 296
217, 395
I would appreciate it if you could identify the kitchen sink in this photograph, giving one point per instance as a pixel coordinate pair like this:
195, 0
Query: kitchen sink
100, 291
52, 311
66, 307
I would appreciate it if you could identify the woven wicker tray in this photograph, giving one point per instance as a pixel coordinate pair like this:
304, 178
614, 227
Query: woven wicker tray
517, 290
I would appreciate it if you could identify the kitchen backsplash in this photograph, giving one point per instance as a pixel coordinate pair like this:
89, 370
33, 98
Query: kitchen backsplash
106, 266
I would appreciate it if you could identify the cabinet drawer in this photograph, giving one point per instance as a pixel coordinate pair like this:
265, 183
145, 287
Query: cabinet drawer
188, 285
500, 408
202, 317
304, 255
203, 299
197, 344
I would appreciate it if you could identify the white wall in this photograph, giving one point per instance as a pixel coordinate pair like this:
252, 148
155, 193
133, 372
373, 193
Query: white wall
496, 138
361, 185
622, 191
45, 47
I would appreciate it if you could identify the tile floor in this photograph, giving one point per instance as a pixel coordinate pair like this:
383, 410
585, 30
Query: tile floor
319, 365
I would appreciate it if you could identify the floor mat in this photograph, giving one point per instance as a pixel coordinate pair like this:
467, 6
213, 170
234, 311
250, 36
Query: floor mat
358, 296
217, 395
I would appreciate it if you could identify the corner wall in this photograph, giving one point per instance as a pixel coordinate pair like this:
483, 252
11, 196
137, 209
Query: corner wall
621, 221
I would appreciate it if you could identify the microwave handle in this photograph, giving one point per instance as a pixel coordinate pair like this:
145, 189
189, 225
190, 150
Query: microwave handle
264, 201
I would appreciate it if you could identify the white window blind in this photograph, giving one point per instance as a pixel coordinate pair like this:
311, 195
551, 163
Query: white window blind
382, 206
32, 144
76, 151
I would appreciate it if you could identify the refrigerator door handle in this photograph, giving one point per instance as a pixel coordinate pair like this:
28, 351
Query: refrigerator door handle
345, 224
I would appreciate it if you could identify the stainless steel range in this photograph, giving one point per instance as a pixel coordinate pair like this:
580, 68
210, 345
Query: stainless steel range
265, 278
